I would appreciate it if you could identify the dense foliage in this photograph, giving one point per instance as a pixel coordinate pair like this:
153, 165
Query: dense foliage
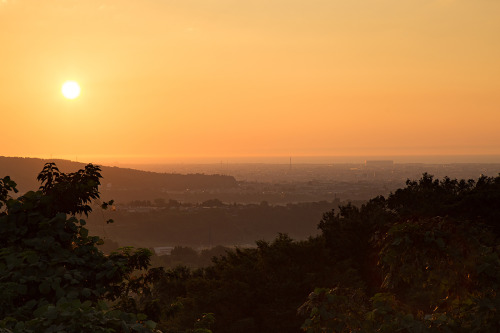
426, 259
256, 289
428, 256
53, 278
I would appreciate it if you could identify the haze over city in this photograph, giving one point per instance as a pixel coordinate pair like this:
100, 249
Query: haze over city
250, 81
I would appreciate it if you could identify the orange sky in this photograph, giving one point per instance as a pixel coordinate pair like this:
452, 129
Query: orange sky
172, 79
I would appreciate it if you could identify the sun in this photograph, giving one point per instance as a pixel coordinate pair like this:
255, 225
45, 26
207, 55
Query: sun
70, 89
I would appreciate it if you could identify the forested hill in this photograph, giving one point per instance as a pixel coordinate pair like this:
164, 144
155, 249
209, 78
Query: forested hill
24, 171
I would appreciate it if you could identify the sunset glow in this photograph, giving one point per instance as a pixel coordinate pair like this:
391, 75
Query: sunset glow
70, 89
222, 80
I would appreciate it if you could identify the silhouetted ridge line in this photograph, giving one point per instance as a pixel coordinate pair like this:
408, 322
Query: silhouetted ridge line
22, 169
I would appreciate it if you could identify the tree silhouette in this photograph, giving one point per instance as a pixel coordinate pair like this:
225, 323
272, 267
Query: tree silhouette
53, 278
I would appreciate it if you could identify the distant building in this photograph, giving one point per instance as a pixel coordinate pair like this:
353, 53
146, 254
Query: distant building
381, 164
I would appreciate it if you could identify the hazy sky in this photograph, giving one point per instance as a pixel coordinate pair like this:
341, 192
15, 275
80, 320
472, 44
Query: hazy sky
226, 78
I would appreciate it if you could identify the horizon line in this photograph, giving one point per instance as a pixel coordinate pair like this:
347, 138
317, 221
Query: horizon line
124, 160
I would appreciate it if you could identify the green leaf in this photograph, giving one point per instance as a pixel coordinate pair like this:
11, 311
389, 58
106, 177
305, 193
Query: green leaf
86, 292
150, 324
141, 316
84, 232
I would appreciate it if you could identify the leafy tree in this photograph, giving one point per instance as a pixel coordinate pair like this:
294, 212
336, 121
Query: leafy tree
335, 310
350, 235
53, 278
437, 248
248, 290
445, 272
462, 199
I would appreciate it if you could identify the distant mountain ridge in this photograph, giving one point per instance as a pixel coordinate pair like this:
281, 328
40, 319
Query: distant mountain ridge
23, 171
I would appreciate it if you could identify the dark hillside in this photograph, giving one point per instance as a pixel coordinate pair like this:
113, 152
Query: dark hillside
116, 180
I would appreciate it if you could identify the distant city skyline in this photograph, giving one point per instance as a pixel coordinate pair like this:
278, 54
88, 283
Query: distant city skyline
125, 161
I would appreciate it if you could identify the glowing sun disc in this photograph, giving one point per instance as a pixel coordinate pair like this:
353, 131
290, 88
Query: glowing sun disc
70, 89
